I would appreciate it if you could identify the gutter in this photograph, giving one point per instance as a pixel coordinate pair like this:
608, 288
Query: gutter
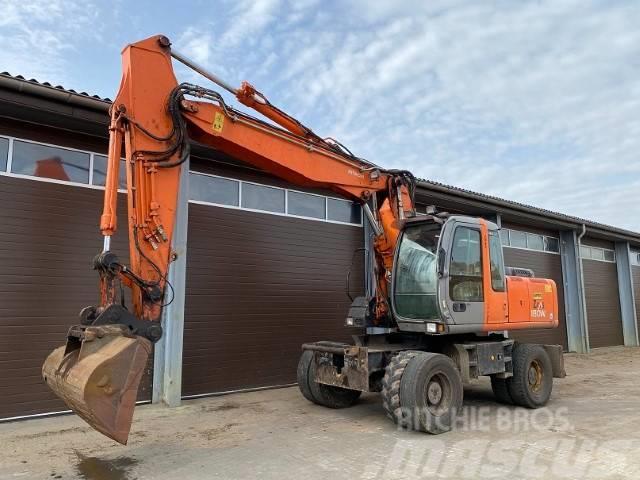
59, 95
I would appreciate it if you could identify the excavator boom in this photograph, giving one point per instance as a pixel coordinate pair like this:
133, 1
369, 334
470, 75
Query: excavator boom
153, 120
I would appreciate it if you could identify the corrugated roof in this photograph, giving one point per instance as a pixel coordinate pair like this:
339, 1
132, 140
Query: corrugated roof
578, 221
428, 184
33, 81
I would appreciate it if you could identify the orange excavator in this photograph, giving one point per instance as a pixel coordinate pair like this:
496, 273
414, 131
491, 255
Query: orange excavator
436, 317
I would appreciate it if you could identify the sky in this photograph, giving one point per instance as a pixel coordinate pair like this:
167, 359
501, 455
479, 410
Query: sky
532, 101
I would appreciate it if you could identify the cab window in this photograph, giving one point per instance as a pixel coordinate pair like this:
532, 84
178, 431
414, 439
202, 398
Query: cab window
416, 279
465, 271
497, 262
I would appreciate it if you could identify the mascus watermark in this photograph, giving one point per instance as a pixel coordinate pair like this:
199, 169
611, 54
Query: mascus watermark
529, 457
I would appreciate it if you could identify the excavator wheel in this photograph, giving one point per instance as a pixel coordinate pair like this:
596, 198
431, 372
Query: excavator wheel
303, 375
391, 385
532, 379
318, 393
500, 387
431, 393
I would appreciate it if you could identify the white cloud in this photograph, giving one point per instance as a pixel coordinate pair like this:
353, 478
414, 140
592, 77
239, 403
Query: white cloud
38, 36
534, 101
537, 102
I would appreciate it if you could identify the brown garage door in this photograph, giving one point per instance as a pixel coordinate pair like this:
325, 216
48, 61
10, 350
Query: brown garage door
603, 303
544, 265
258, 286
48, 236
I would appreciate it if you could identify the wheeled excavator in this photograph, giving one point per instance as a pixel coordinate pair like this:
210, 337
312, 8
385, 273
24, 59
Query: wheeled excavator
437, 316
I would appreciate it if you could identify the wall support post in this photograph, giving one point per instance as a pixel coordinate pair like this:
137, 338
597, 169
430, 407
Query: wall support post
573, 280
167, 365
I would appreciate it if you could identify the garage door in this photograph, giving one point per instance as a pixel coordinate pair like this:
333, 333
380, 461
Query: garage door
258, 286
537, 249
48, 236
601, 293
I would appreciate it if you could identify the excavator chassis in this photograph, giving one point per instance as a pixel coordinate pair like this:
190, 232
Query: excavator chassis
359, 367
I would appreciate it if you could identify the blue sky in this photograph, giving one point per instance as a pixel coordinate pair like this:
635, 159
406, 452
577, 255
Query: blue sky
533, 101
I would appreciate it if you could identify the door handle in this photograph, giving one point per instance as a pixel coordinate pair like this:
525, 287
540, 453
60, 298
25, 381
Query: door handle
459, 307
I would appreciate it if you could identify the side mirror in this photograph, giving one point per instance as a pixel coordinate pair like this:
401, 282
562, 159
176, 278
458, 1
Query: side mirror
442, 255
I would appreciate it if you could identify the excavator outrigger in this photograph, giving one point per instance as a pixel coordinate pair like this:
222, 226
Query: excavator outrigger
437, 314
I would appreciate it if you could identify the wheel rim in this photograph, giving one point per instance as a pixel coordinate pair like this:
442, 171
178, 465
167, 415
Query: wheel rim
438, 394
535, 376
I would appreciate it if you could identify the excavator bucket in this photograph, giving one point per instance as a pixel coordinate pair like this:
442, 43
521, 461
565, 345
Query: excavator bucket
97, 374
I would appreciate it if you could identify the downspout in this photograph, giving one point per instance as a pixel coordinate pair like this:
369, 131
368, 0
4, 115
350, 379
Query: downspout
582, 293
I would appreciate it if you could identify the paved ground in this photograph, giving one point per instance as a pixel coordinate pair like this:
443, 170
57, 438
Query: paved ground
590, 430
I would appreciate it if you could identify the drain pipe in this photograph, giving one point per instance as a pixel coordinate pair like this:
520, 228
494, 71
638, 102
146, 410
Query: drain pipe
582, 293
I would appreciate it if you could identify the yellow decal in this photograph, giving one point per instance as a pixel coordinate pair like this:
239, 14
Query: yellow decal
537, 296
547, 288
218, 122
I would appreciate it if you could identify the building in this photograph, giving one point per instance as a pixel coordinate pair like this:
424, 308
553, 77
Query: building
266, 261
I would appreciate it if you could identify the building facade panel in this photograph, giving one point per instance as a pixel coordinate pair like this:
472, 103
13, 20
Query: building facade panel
604, 317
48, 236
258, 286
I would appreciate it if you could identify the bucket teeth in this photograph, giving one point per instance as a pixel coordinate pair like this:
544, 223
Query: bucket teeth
97, 374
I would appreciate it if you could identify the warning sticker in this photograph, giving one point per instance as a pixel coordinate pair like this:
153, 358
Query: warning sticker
218, 122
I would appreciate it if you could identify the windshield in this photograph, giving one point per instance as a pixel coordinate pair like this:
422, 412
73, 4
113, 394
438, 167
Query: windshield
416, 277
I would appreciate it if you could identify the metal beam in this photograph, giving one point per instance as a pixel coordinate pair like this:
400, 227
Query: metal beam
167, 365
626, 294
573, 284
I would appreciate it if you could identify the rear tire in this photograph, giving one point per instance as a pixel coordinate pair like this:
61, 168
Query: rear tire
532, 379
318, 393
303, 375
431, 392
500, 387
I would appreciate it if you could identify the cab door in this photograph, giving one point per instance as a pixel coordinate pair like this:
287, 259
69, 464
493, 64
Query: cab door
461, 286
495, 287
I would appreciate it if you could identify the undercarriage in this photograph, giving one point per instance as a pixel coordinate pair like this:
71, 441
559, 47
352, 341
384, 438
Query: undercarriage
421, 377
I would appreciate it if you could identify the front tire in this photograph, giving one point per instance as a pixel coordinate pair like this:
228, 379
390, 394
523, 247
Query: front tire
431, 392
532, 379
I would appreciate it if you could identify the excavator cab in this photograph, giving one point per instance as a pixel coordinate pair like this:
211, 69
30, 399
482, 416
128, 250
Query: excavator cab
449, 277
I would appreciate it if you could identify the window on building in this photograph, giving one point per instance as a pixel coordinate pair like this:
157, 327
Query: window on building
535, 242
496, 263
50, 162
585, 252
4, 152
261, 197
609, 256
551, 245
465, 272
504, 236
305, 205
222, 191
597, 254
517, 239
100, 172
343, 211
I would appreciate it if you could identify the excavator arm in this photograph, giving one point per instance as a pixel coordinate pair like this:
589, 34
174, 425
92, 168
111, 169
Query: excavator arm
154, 119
